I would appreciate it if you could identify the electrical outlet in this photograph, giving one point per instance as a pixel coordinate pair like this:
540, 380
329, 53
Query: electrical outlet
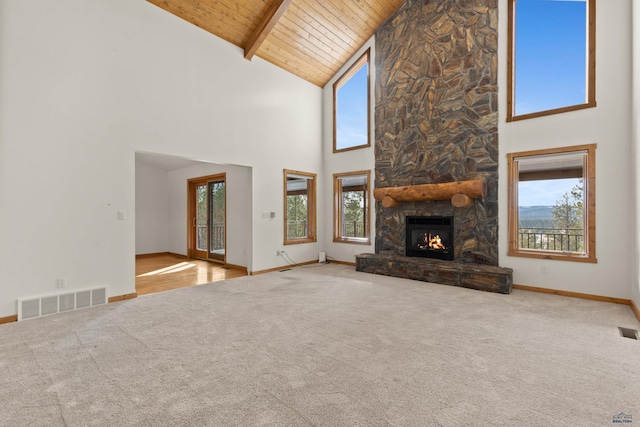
61, 282
278, 253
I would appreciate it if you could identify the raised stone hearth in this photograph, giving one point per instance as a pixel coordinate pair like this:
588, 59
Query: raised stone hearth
473, 276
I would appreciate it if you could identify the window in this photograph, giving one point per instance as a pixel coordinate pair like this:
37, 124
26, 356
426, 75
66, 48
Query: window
299, 207
552, 204
351, 107
351, 207
551, 57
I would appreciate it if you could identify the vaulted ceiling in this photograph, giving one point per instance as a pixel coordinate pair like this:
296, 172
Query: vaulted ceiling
309, 38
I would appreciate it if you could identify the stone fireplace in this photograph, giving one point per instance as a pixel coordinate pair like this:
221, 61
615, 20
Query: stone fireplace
436, 129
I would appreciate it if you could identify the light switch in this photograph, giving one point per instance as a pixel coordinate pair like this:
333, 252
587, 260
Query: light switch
121, 216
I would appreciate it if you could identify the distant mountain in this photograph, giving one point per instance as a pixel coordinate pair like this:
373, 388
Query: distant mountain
535, 212
535, 217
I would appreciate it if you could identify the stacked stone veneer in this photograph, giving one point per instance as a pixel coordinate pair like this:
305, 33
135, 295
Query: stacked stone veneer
436, 118
436, 112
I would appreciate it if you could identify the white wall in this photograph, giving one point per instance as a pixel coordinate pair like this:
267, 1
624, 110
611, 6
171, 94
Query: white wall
151, 209
84, 85
635, 157
609, 126
347, 161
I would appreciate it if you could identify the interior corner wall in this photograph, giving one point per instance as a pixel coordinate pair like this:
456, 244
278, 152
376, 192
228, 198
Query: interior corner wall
347, 161
609, 126
86, 84
635, 158
152, 209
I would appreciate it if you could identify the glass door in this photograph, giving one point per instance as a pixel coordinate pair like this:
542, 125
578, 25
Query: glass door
207, 218
217, 220
201, 221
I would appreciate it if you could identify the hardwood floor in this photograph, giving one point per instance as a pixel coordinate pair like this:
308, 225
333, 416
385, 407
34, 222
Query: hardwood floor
162, 272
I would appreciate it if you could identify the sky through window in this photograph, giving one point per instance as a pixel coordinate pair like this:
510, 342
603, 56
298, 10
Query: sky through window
351, 104
551, 55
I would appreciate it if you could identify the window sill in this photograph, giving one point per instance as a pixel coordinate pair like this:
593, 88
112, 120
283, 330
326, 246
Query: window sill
515, 118
354, 241
298, 241
557, 256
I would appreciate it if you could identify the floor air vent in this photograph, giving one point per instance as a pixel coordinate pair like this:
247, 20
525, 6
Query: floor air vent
628, 333
29, 308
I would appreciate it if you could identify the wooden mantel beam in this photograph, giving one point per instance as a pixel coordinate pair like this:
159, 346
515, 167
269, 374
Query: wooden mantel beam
265, 27
460, 193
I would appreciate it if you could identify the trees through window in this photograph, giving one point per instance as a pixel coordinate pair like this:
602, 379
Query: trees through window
299, 207
351, 207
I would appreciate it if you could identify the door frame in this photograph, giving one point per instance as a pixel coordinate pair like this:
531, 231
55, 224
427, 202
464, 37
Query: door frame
192, 184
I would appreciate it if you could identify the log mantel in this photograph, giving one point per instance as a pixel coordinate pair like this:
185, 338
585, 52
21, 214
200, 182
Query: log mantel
460, 193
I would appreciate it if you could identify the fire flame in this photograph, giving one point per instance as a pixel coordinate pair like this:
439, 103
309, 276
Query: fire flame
435, 242
431, 241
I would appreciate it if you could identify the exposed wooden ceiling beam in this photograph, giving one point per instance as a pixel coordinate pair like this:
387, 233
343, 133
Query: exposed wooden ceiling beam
261, 33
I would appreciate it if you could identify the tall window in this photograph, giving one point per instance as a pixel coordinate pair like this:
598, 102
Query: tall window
552, 203
299, 207
351, 207
551, 57
351, 107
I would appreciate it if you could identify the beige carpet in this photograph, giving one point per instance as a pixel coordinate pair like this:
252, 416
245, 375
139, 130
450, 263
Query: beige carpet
324, 346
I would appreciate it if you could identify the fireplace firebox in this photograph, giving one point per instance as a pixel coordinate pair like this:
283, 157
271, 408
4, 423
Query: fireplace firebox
429, 237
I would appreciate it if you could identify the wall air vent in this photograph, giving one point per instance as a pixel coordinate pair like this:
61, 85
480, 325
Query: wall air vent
29, 308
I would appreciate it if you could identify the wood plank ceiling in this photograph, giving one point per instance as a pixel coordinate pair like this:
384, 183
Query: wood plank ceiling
309, 38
